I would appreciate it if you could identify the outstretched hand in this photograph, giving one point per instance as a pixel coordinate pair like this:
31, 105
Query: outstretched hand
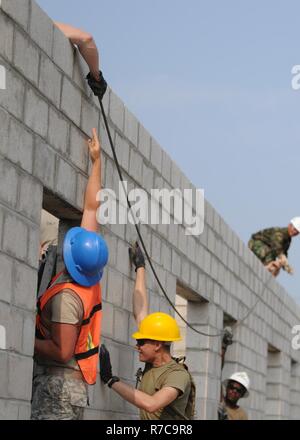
94, 146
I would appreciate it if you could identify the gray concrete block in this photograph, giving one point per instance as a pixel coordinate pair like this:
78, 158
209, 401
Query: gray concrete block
144, 142
44, 163
24, 286
175, 175
71, 101
20, 377
148, 178
79, 153
50, 80
115, 288
176, 263
15, 236
123, 263
108, 319
156, 155
33, 246
28, 334
6, 265
122, 151
63, 52
116, 111
13, 96
66, 180
136, 166
20, 145
18, 11
131, 127
41, 28
166, 166
8, 183
24, 411
89, 117
121, 318
36, 113
58, 131
26, 56
4, 131
9, 410
30, 198
6, 44
80, 190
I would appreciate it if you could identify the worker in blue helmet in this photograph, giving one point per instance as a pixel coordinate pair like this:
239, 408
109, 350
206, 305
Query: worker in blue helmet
69, 315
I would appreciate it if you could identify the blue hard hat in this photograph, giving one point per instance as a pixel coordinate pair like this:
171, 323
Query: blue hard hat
85, 255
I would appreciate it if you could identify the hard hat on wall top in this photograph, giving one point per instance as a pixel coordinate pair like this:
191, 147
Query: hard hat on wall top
158, 327
85, 255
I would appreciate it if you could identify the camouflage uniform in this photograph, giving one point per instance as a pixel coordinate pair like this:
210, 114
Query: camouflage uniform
269, 243
58, 397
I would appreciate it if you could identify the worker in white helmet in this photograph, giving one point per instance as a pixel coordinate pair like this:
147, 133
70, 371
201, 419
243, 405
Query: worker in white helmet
236, 387
271, 246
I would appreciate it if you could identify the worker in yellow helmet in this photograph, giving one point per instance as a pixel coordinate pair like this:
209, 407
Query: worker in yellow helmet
165, 388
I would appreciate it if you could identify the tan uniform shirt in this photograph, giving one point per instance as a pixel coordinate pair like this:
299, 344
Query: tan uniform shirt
155, 378
236, 414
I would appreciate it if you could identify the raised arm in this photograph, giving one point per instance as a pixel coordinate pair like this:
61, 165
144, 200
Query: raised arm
86, 46
91, 203
140, 297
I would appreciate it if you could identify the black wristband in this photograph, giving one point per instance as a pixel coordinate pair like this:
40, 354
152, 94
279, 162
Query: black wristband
113, 380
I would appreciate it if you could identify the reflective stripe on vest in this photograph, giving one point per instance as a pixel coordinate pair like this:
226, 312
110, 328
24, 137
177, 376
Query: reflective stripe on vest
87, 345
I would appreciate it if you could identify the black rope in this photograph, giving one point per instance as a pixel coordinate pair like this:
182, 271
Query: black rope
145, 249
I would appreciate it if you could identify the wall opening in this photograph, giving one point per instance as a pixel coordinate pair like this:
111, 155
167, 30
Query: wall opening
294, 390
273, 380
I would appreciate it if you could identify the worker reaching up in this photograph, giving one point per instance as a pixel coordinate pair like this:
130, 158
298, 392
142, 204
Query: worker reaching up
69, 315
271, 246
88, 49
165, 391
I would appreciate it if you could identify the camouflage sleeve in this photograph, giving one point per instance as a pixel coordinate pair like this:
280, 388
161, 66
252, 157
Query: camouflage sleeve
277, 243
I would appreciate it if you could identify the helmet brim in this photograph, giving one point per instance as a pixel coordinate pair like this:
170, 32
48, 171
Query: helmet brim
78, 277
138, 335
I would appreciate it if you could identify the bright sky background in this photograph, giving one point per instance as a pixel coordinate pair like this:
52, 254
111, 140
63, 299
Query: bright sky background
211, 81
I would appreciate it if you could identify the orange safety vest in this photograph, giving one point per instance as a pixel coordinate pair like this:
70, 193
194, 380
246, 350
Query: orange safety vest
87, 346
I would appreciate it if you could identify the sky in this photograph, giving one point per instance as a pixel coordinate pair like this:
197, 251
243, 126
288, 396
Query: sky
212, 82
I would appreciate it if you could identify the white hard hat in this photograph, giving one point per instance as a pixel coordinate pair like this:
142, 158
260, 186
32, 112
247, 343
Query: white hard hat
296, 223
242, 378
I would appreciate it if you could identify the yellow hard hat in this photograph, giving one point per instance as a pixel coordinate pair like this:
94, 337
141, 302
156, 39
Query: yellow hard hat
158, 327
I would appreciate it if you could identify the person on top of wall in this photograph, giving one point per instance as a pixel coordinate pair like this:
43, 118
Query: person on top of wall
68, 320
237, 386
271, 246
166, 390
88, 49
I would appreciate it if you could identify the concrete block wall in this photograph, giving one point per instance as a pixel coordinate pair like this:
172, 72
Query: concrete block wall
46, 112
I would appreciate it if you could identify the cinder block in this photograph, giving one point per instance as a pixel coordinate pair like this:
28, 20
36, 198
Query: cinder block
108, 319
5, 278
12, 97
41, 28
18, 11
123, 263
89, 117
58, 131
28, 334
26, 57
8, 183
144, 142
24, 286
185, 271
116, 111
50, 80
71, 101
3, 377
24, 411
19, 145
147, 177
176, 263
79, 153
131, 127
122, 151
6, 44
136, 166
44, 163
80, 71
80, 190
33, 246
4, 131
15, 237
121, 318
15, 329
36, 113
115, 288
156, 155
8, 409
30, 198
63, 52
66, 180
20, 377
175, 175
166, 166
